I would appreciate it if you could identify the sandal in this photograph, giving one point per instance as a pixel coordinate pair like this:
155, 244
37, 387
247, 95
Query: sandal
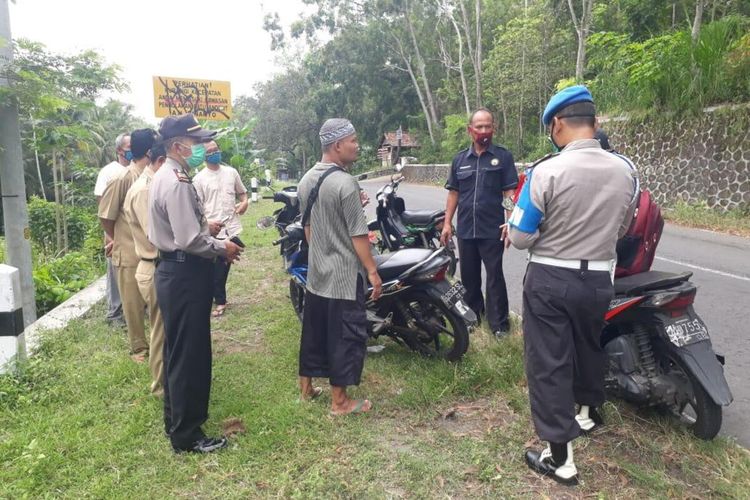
219, 311
316, 392
358, 408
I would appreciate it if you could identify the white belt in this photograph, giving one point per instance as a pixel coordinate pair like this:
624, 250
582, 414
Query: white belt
591, 265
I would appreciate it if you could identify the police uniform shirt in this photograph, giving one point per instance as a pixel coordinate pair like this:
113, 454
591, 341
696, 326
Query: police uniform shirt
575, 205
110, 208
480, 182
136, 213
176, 219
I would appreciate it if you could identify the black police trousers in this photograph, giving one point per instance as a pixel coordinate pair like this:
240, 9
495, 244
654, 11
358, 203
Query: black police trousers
334, 338
183, 290
472, 253
563, 317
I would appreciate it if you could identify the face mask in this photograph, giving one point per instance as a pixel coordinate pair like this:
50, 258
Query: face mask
128, 156
481, 138
214, 157
197, 156
552, 140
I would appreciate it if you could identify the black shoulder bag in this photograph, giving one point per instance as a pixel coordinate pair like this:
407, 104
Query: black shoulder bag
314, 193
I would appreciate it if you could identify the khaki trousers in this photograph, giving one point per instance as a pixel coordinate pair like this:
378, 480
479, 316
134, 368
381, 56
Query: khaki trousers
133, 307
144, 276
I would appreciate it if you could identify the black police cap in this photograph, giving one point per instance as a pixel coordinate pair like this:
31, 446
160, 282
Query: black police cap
184, 126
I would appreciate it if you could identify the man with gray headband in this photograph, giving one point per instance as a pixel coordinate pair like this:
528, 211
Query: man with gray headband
334, 326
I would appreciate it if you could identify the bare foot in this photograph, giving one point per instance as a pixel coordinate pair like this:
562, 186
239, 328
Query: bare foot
139, 357
313, 393
351, 407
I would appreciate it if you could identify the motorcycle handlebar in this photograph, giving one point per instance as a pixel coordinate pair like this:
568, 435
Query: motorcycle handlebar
280, 240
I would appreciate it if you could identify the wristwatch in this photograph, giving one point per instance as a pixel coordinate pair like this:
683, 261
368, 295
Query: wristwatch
508, 204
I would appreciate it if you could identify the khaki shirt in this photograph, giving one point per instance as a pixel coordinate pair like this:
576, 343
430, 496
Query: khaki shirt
575, 205
136, 213
175, 214
110, 208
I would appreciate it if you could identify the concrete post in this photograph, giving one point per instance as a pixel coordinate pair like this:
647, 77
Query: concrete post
12, 342
254, 189
15, 214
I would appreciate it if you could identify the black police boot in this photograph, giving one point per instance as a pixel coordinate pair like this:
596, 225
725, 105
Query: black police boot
204, 445
555, 461
589, 419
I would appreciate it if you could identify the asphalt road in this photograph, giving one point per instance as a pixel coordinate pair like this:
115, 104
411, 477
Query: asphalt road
721, 268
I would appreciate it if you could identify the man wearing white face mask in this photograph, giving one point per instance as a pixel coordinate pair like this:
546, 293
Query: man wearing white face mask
219, 188
184, 277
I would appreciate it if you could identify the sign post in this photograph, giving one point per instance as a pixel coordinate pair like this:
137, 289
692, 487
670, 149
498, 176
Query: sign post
206, 99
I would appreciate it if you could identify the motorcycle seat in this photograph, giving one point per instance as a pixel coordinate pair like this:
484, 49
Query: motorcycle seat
636, 284
421, 217
391, 265
286, 197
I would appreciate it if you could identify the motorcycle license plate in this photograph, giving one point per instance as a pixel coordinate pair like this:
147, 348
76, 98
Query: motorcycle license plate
686, 330
454, 295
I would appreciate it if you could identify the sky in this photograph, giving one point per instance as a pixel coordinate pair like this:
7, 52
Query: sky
210, 40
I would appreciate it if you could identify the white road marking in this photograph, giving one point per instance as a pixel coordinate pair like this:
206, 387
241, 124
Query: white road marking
707, 269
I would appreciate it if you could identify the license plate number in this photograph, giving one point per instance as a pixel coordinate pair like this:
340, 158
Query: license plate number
684, 331
453, 295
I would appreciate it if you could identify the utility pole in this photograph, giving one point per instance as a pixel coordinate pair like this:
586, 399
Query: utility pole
15, 215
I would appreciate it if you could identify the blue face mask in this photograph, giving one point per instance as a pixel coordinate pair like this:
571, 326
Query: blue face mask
214, 157
128, 156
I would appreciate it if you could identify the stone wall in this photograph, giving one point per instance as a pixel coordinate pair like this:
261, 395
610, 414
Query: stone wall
696, 159
428, 174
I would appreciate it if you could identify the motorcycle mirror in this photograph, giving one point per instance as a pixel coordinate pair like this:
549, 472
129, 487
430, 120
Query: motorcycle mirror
265, 222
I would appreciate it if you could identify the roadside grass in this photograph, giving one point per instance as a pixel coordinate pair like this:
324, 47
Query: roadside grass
699, 215
78, 422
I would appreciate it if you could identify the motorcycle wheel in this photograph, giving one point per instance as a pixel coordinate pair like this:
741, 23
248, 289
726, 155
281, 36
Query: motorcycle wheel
700, 413
439, 332
297, 296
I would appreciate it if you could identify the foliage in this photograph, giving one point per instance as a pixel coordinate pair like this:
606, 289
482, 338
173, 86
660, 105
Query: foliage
58, 279
364, 64
56, 276
669, 72
42, 223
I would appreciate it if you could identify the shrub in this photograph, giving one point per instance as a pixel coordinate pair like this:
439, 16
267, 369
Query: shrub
43, 228
58, 279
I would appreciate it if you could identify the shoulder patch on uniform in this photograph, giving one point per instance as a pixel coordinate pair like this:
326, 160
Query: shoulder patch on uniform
182, 176
543, 159
526, 217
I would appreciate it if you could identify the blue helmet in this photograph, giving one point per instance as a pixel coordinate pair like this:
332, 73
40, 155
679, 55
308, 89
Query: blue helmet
563, 99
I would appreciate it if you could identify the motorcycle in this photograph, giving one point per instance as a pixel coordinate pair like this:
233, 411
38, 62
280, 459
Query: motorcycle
660, 353
401, 228
418, 307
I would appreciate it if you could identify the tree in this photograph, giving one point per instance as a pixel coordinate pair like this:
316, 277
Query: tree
582, 26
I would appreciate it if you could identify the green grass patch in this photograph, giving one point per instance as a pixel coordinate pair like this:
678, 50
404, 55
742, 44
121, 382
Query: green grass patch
699, 215
77, 421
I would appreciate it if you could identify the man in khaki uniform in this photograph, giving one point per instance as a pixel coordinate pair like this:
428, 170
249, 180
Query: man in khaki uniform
124, 257
136, 213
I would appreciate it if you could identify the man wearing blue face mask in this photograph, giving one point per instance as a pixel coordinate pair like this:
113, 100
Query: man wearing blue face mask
220, 187
187, 249
105, 176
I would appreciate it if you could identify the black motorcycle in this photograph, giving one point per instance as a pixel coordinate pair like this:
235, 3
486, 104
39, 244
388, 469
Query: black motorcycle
400, 228
660, 353
418, 307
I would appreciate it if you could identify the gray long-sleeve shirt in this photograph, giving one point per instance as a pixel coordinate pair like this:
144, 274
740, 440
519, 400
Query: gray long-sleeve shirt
176, 218
575, 205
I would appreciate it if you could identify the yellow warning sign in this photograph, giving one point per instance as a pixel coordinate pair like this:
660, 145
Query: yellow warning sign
206, 99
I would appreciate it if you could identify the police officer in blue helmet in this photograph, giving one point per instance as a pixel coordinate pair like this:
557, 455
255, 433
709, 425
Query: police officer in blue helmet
574, 206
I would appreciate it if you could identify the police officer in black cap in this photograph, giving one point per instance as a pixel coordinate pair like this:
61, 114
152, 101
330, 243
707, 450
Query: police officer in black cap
184, 282
481, 185
573, 207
